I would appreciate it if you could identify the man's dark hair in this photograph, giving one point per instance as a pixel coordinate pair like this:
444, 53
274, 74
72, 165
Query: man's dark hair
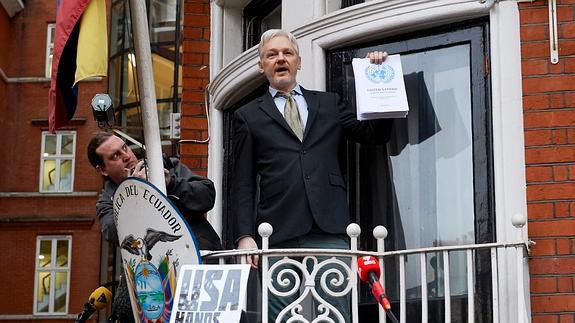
95, 142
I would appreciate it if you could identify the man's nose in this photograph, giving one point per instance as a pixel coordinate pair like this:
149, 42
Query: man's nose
281, 56
125, 155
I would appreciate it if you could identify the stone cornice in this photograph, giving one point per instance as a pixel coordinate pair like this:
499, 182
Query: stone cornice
356, 24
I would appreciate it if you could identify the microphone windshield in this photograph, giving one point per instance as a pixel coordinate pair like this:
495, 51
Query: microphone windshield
366, 265
100, 297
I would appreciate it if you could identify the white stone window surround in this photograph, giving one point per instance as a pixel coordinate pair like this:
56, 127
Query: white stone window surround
234, 74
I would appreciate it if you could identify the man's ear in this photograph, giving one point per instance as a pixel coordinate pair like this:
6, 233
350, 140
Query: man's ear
299, 62
101, 170
261, 68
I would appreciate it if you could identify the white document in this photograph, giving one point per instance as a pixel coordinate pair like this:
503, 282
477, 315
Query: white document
380, 89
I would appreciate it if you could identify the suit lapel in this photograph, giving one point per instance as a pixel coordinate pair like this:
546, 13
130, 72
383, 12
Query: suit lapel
312, 108
268, 106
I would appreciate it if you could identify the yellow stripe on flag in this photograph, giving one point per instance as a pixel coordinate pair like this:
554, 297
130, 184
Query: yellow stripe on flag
92, 57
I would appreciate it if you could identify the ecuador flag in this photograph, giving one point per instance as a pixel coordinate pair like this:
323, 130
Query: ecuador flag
80, 51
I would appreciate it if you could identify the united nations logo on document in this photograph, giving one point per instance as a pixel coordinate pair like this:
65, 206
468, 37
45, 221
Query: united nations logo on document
381, 73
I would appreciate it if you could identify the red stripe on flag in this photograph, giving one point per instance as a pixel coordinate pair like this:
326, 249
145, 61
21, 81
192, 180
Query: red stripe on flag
62, 96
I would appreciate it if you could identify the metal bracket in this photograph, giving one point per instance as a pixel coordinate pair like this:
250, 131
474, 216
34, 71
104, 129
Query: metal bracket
175, 129
553, 42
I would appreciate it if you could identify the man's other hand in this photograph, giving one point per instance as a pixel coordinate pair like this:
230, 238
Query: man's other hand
248, 242
376, 57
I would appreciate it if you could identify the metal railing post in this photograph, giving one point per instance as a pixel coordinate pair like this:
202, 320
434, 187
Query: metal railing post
380, 233
353, 231
265, 230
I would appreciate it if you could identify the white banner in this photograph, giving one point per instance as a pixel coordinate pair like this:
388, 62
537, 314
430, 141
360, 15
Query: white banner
210, 293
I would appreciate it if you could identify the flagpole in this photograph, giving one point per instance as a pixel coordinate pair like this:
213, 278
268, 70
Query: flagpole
147, 93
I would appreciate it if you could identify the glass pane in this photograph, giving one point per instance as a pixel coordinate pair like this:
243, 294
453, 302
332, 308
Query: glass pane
163, 66
43, 292
62, 253
67, 144
164, 111
162, 20
49, 176
49, 63
60, 292
115, 79
434, 149
127, 26
180, 76
117, 28
133, 122
50, 145
65, 175
45, 254
52, 31
129, 74
273, 20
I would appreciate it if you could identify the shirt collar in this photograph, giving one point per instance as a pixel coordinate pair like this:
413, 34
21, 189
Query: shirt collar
297, 90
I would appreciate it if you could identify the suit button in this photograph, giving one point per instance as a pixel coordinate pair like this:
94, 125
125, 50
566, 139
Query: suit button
303, 152
307, 177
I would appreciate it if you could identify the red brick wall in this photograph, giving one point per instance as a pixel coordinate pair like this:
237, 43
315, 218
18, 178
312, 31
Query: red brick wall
549, 120
19, 248
22, 54
4, 38
196, 76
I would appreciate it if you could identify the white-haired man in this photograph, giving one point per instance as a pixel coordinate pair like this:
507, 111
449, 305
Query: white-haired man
289, 140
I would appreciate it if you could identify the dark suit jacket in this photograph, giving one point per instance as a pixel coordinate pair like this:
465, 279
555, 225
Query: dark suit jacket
299, 182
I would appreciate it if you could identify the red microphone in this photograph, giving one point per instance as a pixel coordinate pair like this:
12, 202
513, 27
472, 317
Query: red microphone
368, 270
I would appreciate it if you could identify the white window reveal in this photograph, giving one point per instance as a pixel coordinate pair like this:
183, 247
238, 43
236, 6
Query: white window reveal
50, 48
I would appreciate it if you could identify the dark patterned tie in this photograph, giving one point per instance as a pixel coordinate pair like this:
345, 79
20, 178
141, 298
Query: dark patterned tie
291, 114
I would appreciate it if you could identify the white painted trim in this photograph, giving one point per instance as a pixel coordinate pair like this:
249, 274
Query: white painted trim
508, 148
215, 147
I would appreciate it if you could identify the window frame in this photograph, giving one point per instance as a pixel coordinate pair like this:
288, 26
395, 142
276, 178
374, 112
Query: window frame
482, 137
123, 73
253, 15
49, 49
58, 157
475, 34
53, 270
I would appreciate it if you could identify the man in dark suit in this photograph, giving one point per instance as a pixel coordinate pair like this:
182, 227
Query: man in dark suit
302, 193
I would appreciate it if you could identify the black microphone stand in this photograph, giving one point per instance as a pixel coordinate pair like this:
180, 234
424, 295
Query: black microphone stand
391, 316
389, 313
86, 313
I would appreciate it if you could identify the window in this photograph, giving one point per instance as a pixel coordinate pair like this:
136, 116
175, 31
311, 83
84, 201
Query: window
259, 16
349, 3
165, 26
49, 48
57, 161
52, 274
431, 185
